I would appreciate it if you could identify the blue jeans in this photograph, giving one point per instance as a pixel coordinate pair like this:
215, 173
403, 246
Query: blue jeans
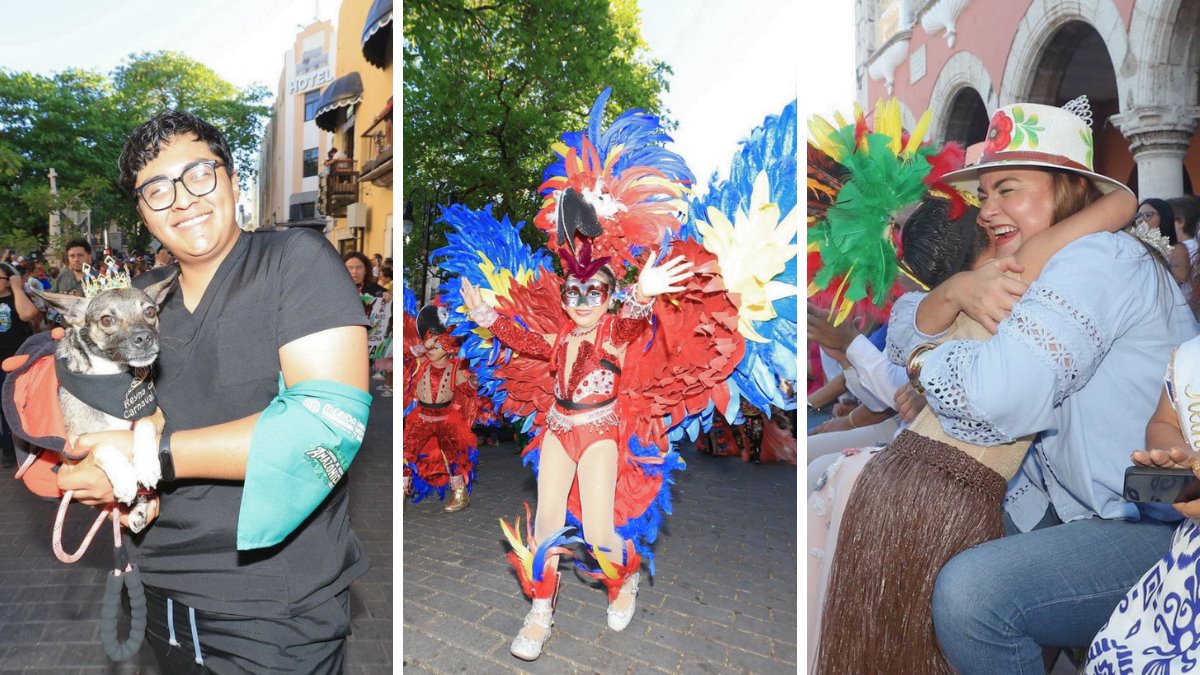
997, 604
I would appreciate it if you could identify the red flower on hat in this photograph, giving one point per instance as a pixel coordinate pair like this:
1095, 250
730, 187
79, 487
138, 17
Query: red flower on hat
999, 132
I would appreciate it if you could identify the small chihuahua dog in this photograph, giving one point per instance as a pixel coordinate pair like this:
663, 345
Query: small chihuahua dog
112, 334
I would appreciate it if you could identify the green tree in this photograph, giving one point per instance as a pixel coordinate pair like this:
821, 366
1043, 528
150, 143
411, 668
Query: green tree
489, 86
76, 122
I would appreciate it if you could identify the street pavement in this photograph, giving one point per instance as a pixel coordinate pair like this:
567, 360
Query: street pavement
50, 611
723, 599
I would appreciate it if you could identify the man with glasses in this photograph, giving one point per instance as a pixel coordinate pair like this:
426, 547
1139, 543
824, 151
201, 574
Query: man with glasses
248, 566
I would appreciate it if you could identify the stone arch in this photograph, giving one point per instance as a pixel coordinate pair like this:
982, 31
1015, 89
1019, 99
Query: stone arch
961, 72
1164, 55
1041, 23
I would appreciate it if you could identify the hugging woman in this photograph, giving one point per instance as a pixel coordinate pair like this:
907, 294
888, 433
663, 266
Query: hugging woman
1075, 359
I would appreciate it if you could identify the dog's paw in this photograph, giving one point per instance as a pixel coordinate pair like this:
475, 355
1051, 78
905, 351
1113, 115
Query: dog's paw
147, 470
119, 471
146, 466
139, 516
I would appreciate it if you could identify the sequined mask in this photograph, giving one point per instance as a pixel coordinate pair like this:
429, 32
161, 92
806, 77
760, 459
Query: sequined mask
591, 293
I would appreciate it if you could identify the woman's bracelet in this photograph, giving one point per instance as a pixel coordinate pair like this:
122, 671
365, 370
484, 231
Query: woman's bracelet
916, 360
850, 419
484, 315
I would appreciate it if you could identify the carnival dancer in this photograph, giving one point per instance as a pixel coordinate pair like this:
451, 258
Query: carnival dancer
603, 405
581, 440
439, 446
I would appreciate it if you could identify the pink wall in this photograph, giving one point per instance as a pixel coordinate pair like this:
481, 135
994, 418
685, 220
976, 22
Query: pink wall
985, 28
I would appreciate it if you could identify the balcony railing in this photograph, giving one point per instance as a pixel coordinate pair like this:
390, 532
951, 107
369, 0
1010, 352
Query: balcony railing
339, 188
378, 146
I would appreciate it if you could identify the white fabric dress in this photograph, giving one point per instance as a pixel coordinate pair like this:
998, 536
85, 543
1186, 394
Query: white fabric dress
1155, 629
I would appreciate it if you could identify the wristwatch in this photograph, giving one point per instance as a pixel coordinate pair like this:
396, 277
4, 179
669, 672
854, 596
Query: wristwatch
165, 460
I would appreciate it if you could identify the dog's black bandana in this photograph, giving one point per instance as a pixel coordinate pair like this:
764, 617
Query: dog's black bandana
128, 395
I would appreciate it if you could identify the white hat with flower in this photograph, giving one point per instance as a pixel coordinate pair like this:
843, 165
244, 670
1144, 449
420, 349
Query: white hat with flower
1032, 135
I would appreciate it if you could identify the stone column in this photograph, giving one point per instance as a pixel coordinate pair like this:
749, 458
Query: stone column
1158, 138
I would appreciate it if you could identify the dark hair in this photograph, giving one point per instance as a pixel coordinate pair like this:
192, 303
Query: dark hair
935, 247
386, 271
78, 243
1166, 217
368, 278
1186, 210
1072, 192
147, 140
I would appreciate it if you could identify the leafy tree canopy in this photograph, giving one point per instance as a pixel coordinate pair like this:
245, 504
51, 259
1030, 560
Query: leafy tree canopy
76, 122
489, 86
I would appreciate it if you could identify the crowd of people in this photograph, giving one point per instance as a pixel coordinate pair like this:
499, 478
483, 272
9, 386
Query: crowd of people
967, 507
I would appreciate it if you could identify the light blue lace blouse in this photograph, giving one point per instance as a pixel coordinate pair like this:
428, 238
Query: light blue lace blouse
1080, 361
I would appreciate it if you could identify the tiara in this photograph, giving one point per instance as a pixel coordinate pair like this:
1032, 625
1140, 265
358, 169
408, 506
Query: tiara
94, 282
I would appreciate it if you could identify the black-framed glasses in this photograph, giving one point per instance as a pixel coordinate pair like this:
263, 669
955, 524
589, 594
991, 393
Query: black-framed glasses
199, 179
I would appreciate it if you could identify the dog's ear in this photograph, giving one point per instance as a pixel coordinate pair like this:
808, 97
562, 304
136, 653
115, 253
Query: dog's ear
158, 290
72, 307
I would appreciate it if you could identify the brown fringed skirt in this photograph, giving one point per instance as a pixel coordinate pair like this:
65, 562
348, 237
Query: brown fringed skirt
915, 506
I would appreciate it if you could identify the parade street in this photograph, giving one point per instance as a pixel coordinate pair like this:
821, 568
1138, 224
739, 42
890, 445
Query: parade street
723, 599
50, 611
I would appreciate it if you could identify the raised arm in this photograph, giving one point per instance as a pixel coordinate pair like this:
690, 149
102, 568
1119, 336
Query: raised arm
1110, 213
526, 342
989, 293
653, 281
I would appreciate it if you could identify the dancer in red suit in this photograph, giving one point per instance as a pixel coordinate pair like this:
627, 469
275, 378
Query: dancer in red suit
439, 446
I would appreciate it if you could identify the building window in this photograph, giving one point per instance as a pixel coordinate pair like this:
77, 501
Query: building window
310, 162
310, 104
303, 211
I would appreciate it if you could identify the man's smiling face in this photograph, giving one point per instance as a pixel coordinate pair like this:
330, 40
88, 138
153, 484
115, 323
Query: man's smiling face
196, 229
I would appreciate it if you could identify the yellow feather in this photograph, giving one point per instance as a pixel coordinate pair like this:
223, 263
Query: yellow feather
843, 312
613, 155
914, 140
605, 565
822, 134
560, 147
888, 122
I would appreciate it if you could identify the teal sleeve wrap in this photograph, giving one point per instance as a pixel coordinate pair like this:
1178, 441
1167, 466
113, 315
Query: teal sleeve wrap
302, 445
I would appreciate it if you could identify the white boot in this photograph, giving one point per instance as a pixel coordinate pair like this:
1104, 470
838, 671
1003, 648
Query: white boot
619, 619
540, 617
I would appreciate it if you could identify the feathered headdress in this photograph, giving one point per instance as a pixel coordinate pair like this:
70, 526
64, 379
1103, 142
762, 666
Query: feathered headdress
858, 178
576, 216
633, 186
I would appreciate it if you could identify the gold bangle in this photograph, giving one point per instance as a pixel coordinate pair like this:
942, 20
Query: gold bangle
916, 360
850, 419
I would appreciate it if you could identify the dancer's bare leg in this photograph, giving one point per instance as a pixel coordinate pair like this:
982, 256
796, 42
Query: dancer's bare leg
556, 471
597, 493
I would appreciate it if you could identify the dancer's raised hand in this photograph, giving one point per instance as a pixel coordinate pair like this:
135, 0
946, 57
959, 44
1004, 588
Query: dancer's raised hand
656, 280
470, 294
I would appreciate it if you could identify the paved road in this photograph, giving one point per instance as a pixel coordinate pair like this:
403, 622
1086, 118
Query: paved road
724, 598
49, 612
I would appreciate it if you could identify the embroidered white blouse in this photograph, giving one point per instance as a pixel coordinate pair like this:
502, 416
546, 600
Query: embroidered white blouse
1080, 361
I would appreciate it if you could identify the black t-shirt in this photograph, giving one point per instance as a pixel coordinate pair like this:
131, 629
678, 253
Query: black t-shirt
221, 363
13, 330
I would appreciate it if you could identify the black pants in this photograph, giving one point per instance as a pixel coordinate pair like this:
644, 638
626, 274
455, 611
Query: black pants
313, 642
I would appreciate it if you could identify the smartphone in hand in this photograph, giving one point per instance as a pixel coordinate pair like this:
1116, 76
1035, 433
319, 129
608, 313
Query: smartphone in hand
1164, 486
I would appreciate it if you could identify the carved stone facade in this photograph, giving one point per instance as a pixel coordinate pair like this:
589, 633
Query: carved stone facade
1138, 60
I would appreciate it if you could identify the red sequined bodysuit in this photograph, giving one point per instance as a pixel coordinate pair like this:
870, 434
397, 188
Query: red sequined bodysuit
437, 417
585, 394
